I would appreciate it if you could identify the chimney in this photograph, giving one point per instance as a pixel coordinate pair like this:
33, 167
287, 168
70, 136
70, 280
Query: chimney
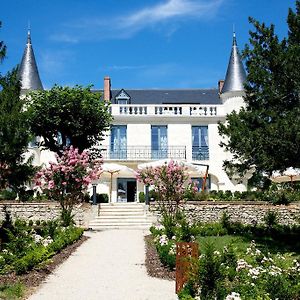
220, 85
106, 94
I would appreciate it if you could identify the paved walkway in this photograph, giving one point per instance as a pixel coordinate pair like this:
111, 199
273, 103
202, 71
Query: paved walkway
108, 266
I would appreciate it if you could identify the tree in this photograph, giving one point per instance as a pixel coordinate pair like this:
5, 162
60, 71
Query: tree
14, 135
67, 179
170, 182
266, 133
66, 116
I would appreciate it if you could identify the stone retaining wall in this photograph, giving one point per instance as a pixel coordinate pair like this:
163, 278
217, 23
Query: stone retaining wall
247, 213
39, 211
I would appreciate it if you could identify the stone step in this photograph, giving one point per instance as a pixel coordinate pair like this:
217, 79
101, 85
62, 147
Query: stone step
112, 210
135, 227
121, 217
127, 205
114, 221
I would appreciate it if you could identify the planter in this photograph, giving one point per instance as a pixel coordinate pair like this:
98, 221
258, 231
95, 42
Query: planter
185, 252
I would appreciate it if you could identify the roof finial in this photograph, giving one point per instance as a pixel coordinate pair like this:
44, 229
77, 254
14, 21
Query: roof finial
28, 33
234, 35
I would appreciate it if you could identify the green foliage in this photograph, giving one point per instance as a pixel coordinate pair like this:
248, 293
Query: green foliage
11, 291
142, 197
76, 115
15, 135
211, 229
266, 133
27, 245
26, 195
101, 198
167, 259
5, 227
8, 195
67, 218
65, 238
271, 219
32, 258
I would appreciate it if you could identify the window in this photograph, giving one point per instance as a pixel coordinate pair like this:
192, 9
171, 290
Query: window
122, 97
122, 101
159, 142
118, 142
200, 183
200, 143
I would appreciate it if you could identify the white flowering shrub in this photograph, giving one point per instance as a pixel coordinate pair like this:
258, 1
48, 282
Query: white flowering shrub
25, 245
172, 230
246, 276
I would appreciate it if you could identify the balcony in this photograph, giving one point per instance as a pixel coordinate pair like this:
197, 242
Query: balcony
144, 153
166, 110
200, 153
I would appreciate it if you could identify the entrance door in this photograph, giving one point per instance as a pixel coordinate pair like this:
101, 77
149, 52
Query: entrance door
131, 191
126, 189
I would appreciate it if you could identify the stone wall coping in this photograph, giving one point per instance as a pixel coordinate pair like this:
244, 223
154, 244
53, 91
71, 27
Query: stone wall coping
237, 203
52, 203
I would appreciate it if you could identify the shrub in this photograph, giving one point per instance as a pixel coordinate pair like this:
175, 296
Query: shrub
26, 195
167, 255
228, 195
213, 194
100, 198
67, 218
8, 195
201, 196
212, 229
11, 291
6, 226
271, 218
31, 259
237, 195
142, 197
225, 221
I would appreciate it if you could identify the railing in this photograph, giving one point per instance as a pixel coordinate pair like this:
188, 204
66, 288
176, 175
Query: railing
166, 110
145, 153
200, 153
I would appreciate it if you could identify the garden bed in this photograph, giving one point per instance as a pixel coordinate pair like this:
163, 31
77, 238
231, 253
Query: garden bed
237, 261
153, 264
35, 277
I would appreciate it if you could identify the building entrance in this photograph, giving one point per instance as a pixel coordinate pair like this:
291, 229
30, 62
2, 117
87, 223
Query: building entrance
126, 189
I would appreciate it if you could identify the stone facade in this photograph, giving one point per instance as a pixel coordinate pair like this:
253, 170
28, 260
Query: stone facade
246, 213
40, 211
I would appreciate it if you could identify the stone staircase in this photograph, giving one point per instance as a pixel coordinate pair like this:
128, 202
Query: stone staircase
122, 216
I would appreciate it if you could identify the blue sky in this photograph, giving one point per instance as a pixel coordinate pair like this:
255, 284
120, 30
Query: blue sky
139, 44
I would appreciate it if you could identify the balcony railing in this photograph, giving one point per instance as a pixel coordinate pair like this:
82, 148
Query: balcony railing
145, 153
166, 110
200, 153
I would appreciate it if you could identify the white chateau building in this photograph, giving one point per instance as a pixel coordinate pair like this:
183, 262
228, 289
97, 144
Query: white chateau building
157, 124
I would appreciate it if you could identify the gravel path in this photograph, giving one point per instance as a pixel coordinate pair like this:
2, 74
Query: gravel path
108, 266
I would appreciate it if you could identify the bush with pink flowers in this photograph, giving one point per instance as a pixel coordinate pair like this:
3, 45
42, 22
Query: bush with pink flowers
171, 183
67, 179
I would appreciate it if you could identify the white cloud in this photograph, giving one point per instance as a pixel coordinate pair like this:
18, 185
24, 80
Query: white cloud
169, 12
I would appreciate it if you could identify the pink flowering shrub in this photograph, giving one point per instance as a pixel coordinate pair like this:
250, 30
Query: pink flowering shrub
171, 183
66, 180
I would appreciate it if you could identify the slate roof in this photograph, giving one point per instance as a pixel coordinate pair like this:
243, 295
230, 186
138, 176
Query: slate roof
28, 71
235, 75
169, 96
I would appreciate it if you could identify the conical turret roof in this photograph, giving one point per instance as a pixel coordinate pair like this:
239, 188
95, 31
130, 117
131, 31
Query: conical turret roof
28, 72
235, 75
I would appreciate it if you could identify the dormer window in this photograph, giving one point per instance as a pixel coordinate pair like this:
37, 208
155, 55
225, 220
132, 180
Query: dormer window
122, 97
